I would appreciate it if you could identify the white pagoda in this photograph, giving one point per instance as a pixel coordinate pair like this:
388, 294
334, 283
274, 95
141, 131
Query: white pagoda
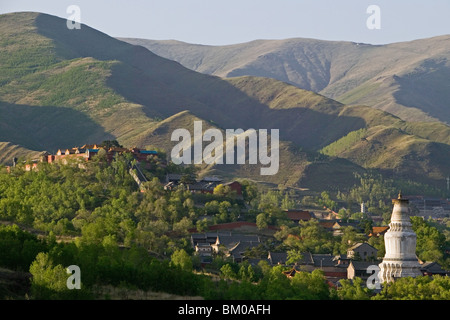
400, 242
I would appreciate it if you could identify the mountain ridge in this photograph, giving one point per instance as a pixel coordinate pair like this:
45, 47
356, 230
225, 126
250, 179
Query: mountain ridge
71, 87
381, 76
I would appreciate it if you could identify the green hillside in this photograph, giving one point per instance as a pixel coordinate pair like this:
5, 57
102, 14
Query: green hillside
62, 88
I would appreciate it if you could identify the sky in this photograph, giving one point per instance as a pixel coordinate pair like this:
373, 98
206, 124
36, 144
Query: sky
214, 22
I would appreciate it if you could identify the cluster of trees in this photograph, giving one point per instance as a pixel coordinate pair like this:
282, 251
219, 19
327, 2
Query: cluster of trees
101, 264
376, 191
98, 200
373, 190
420, 288
431, 242
263, 207
106, 264
139, 240
268, 207
311, 237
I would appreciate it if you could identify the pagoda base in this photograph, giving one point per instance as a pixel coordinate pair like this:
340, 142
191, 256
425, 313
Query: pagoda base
391, 270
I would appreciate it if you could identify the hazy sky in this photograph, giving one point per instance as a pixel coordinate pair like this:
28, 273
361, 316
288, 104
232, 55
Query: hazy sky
235, 21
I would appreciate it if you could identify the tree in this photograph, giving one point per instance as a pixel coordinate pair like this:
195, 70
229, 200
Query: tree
212, 207
378, 243
430, 242
294, 256
344, 214
107, 144
182, 259
310, 286
224, 191
48, 281
419, 288
353, 290
94, 232
183, 225
287, 203
326, 201
249, 191
228, 272
262, 221
19, 248
201, 225
275, 285
314, 238
367, 225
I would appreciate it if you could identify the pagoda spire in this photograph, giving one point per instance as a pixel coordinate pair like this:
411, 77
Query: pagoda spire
400, 242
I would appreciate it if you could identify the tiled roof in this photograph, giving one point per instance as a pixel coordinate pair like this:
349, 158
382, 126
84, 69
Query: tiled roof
232, 240
323, 260
379, 230
433, 267
362, 265
237, 251
359, 245
327, 224
299, 215
277, 257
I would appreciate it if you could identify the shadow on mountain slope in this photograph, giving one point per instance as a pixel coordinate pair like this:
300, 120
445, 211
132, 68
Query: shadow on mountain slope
165, 88
47, 128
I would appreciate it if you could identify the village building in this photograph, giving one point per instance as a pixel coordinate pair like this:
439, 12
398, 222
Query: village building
277, 258
378, 231
299, 215
362, 251
359, 269
331, 266
229, 244
342, 259
236, 187
87, 153
327, 224
203, 185
291, 272
432, 268
339, 225
234, 245
428, 206
336, 226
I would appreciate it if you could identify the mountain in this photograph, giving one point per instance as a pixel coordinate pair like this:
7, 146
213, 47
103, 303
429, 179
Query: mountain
9, 151
61, 88
410, 79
